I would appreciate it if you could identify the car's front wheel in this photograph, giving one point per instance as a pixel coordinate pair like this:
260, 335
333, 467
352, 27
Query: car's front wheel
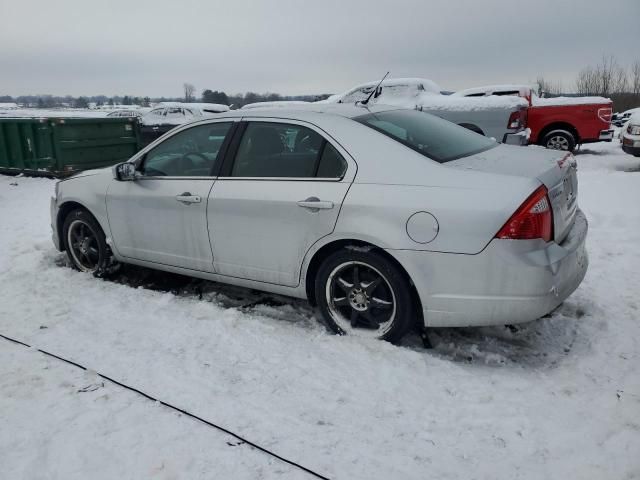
364, 294
86, 244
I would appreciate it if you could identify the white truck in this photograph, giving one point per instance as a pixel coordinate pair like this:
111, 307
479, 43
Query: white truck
503, 118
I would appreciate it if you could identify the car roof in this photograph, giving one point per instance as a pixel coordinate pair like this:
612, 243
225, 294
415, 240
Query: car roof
310, 111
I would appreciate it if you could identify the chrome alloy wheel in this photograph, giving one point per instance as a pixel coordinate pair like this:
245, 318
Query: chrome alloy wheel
360, 299
558, 142
83, 246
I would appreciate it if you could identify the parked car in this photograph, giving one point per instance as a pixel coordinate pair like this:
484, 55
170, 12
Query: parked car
559, 123
385, 218
616, 119
168, 115
502, 119
622, 118
630, 135
126, 113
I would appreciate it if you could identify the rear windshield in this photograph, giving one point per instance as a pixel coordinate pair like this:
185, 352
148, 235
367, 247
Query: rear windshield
427, 134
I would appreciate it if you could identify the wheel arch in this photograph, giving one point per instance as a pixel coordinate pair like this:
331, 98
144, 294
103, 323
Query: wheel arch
333, 246
63, 211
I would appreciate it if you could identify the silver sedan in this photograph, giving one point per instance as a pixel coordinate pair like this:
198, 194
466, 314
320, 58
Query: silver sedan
386, 219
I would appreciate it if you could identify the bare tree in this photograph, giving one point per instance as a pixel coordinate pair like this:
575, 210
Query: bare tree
605, 79
588, 82
546, 87
620, 82
606, 73
189, 90
635, 78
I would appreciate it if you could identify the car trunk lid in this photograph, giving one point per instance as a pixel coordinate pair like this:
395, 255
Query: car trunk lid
555, 169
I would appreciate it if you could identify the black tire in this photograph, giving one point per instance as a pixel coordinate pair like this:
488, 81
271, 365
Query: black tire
559, 140
86, 244
392, 321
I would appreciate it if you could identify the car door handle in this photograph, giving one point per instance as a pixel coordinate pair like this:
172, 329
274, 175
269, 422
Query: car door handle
186, 198
315, 204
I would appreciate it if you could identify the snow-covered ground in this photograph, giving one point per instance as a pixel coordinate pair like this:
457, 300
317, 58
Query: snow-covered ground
557, 398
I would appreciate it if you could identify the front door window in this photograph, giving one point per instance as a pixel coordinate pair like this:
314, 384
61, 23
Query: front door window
190, 153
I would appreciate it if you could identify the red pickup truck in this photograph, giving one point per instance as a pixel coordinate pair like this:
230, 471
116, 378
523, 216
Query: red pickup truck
560, 123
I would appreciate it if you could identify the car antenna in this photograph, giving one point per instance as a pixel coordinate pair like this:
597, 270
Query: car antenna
365, 102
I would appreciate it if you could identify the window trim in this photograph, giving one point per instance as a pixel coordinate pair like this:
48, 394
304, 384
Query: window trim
230, 159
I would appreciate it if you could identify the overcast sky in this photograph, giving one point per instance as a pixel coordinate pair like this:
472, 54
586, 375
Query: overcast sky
140, 47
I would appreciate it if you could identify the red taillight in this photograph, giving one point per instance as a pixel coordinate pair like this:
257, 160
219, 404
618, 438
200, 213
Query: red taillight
604, 114
514, 120
533, 219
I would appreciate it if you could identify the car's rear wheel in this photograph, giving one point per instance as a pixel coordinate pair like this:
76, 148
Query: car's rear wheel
86, 244
559, 140
364, 294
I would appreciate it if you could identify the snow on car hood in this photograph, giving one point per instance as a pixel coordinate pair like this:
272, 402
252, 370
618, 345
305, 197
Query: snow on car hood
88, 173
634, 119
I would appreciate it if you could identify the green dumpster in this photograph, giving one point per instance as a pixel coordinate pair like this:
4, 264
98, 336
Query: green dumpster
62, 146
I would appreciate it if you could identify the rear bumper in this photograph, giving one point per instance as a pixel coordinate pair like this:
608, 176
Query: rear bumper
631, 150
520, 138
630, 144
606, 135
510, 281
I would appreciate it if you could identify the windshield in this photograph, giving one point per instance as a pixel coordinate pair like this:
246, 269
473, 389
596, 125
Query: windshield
427, 134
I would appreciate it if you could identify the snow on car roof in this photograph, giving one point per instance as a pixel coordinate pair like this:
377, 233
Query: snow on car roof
428, 85
427, 101
428, 98
535, 100
201, 106
210, 106
631, 111
635, 117
279, 103
309, 110
553, 101
490, 88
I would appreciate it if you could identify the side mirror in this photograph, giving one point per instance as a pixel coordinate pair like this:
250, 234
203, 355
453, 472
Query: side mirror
124, 172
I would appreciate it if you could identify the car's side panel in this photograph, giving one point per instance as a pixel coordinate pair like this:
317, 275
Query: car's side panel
492, 122
260, 228
583, 118
467, 218
296, 292
88, 190
258, 231
149, 222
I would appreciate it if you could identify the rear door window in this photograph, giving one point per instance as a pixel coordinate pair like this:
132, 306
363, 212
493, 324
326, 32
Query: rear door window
281, 150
